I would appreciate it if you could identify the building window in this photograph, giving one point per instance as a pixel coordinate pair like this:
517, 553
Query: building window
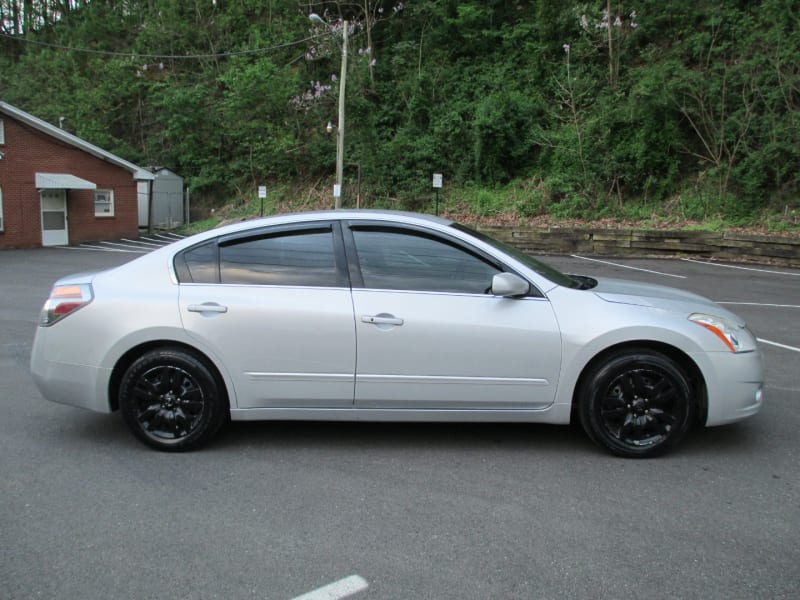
1, 209
2, 133
104, 203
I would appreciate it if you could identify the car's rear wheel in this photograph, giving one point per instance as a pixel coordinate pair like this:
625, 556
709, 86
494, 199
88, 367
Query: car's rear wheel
171, 400
637, 404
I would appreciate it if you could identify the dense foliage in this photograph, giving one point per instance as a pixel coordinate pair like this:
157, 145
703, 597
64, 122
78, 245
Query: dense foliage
579, 107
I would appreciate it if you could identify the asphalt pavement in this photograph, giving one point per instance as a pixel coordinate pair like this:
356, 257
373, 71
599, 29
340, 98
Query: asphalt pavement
399, 511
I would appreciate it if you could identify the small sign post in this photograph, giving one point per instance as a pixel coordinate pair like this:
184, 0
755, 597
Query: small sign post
262, 193
437, 185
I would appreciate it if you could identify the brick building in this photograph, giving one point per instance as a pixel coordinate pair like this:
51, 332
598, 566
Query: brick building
56, 188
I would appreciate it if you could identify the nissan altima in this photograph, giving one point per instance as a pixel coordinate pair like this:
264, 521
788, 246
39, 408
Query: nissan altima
386, 316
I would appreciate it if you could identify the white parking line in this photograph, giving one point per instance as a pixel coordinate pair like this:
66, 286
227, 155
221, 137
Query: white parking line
133, 246
605, 262
758, 304
784, 346
141, 243
100, 249
118, 245
703, 262
170, 236
338, 589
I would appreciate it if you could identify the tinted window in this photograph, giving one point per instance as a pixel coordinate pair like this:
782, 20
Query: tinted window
289, 258
541, 268
198, 264
409, 261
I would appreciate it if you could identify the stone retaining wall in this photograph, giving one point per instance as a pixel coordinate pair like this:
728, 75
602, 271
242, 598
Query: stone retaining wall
628, 242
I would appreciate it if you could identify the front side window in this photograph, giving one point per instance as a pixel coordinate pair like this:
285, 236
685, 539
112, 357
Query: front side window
408, 260
541, 268
104, 203
1, 210
2, 132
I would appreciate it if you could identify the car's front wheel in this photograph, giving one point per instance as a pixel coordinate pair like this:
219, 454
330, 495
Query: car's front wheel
171, 400
637, 403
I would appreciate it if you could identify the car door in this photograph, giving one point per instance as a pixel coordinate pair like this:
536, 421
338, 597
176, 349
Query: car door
430, 335
274, 306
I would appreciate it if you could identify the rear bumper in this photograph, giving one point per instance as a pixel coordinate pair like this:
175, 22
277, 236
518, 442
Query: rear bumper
70, 383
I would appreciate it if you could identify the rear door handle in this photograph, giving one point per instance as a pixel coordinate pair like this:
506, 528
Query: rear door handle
207, 307
381, 319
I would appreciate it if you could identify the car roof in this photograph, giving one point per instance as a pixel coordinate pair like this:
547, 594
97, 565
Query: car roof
323, 215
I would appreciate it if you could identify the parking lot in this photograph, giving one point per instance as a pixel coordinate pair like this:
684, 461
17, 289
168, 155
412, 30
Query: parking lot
333, 510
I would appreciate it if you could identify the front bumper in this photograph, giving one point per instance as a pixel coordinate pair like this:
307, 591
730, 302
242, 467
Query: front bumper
735, 386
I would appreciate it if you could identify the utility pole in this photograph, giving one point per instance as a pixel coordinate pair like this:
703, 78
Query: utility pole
337, 188
340, 128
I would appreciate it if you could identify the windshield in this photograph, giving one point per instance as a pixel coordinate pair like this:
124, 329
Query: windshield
541, 268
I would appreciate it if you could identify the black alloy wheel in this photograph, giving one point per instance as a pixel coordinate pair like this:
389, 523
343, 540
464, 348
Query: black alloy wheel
171, 401
636, 404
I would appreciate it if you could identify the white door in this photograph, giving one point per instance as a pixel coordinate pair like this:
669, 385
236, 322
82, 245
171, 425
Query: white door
54, 217
448, 351
143, 198
429, 335
277, 314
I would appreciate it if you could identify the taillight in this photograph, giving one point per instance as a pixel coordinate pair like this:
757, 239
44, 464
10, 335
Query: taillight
65, 300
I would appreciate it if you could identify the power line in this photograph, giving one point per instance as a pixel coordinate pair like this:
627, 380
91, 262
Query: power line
167, 56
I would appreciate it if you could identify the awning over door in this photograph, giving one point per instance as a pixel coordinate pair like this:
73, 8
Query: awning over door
62, 181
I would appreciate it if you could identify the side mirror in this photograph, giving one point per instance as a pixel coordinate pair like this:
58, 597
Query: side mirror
509, 285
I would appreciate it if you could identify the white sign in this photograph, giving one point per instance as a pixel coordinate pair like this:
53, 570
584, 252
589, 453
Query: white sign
262, 191
437, 180
337, 190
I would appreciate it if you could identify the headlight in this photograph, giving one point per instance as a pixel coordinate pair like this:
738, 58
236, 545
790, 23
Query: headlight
722, 328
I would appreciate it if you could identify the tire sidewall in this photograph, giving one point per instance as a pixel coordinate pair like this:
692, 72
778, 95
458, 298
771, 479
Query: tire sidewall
601, 376
214, 409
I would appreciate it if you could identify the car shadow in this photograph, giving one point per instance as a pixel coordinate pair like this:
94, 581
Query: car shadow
557, 440
399, 436
110, 431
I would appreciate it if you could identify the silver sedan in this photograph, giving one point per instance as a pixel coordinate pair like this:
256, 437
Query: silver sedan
385, 316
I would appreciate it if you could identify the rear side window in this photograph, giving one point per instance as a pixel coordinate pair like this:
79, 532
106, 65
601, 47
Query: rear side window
199, 264
293, 257
290, 258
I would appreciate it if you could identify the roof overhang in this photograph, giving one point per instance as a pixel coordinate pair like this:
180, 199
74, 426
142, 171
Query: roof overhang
62, 181
139, 173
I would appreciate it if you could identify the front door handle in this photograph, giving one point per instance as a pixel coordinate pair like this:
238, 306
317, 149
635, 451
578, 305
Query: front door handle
381, 319
207, 307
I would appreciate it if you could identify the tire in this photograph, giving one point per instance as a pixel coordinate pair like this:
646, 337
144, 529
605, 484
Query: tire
171, 400
637, 404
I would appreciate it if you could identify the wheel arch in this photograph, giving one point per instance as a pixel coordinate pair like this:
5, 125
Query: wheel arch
695, 377
129, 357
